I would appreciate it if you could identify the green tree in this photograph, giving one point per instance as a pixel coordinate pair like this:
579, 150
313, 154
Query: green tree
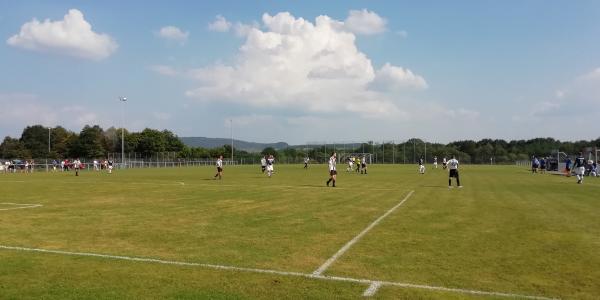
35, 139
13, 148
91, 141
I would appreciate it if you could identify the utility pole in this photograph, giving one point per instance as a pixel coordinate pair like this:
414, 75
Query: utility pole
231, 122
124, 100
49, 140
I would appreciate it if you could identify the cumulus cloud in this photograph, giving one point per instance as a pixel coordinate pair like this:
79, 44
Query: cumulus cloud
365, 22
291, 62
396, 78
220, 24
71, 36
172, 33
164, 70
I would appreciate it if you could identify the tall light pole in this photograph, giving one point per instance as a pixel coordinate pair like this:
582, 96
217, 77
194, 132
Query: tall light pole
231, 124
123, 99
49, 140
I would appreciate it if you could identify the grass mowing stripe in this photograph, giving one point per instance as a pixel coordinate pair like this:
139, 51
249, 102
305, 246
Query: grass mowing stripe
19, 206
347, 246
370, 282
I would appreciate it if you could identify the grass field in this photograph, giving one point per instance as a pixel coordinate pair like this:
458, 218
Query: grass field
176, 233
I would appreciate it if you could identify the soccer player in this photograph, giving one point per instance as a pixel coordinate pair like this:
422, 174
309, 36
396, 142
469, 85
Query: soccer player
306, 160
76, 166
350, 164
435, 162
542, 165
96, 167
219, 167
453, 166
363, 165
332, 169
535, 163
421, 166
109, 166
263, 163
579, 167
270, 162
594, 170
358, 164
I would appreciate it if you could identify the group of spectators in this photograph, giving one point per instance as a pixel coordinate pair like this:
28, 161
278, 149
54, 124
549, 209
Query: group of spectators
591, 167
12, 166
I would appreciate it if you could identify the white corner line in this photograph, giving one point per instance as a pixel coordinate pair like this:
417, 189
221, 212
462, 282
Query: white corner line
370, 282
372, 289
19, 206
347, 246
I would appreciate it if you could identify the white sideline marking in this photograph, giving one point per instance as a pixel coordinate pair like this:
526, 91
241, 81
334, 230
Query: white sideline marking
19, 206
345, 248
276, 272
372, 289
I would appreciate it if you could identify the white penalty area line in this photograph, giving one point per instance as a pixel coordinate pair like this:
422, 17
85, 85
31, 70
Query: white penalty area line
374, 285
19, 206
347, 246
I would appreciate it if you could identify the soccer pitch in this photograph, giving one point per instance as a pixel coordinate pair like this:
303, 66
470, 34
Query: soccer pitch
391, 234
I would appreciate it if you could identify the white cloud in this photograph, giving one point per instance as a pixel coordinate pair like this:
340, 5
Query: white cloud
164, 70
71, 36
396, 78
220, 24
365, 22
173, 33
306, 66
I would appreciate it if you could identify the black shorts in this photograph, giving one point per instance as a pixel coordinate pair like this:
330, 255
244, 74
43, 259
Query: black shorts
363, 165
543, 167
453, 173
333, 172
219, 169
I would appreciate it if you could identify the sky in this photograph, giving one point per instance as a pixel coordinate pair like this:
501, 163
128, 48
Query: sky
305, 71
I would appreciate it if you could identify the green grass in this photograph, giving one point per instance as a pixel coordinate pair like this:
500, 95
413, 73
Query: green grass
505, 231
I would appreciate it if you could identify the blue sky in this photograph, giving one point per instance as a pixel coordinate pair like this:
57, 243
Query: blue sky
365, 70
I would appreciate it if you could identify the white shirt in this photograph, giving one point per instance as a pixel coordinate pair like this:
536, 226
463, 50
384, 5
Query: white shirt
270, 161
306, 160
453, 164
219, 163
76, 163
263, 162
332, 163
444, 160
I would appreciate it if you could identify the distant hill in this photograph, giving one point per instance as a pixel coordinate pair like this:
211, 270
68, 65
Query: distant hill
238, 144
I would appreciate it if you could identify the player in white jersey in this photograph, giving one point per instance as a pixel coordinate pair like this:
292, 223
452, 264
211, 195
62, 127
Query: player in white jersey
270, 162
109, 164
453, 166
96, 165
435, 162
306, 160
363, 165
350, 164
421, 166
332, 169
263, 163
76, 166
219, 167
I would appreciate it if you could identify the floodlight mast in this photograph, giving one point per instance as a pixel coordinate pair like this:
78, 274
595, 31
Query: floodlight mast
124, 100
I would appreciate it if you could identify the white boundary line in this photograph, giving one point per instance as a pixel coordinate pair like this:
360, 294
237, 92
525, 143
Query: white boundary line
375, 285
369, 282
347, 246
19, 206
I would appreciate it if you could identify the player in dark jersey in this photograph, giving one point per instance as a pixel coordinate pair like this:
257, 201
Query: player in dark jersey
579, 167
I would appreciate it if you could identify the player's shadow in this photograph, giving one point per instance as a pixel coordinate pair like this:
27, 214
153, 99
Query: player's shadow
435, 186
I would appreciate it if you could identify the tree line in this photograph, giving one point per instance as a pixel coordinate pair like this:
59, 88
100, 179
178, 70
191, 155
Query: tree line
38, 142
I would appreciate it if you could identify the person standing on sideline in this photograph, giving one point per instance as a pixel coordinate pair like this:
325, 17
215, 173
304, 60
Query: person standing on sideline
453, 166
568, 163
332, 169
219, 167
535, 163
421, 165
579, 166
76, 166
542, 165
306, 160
